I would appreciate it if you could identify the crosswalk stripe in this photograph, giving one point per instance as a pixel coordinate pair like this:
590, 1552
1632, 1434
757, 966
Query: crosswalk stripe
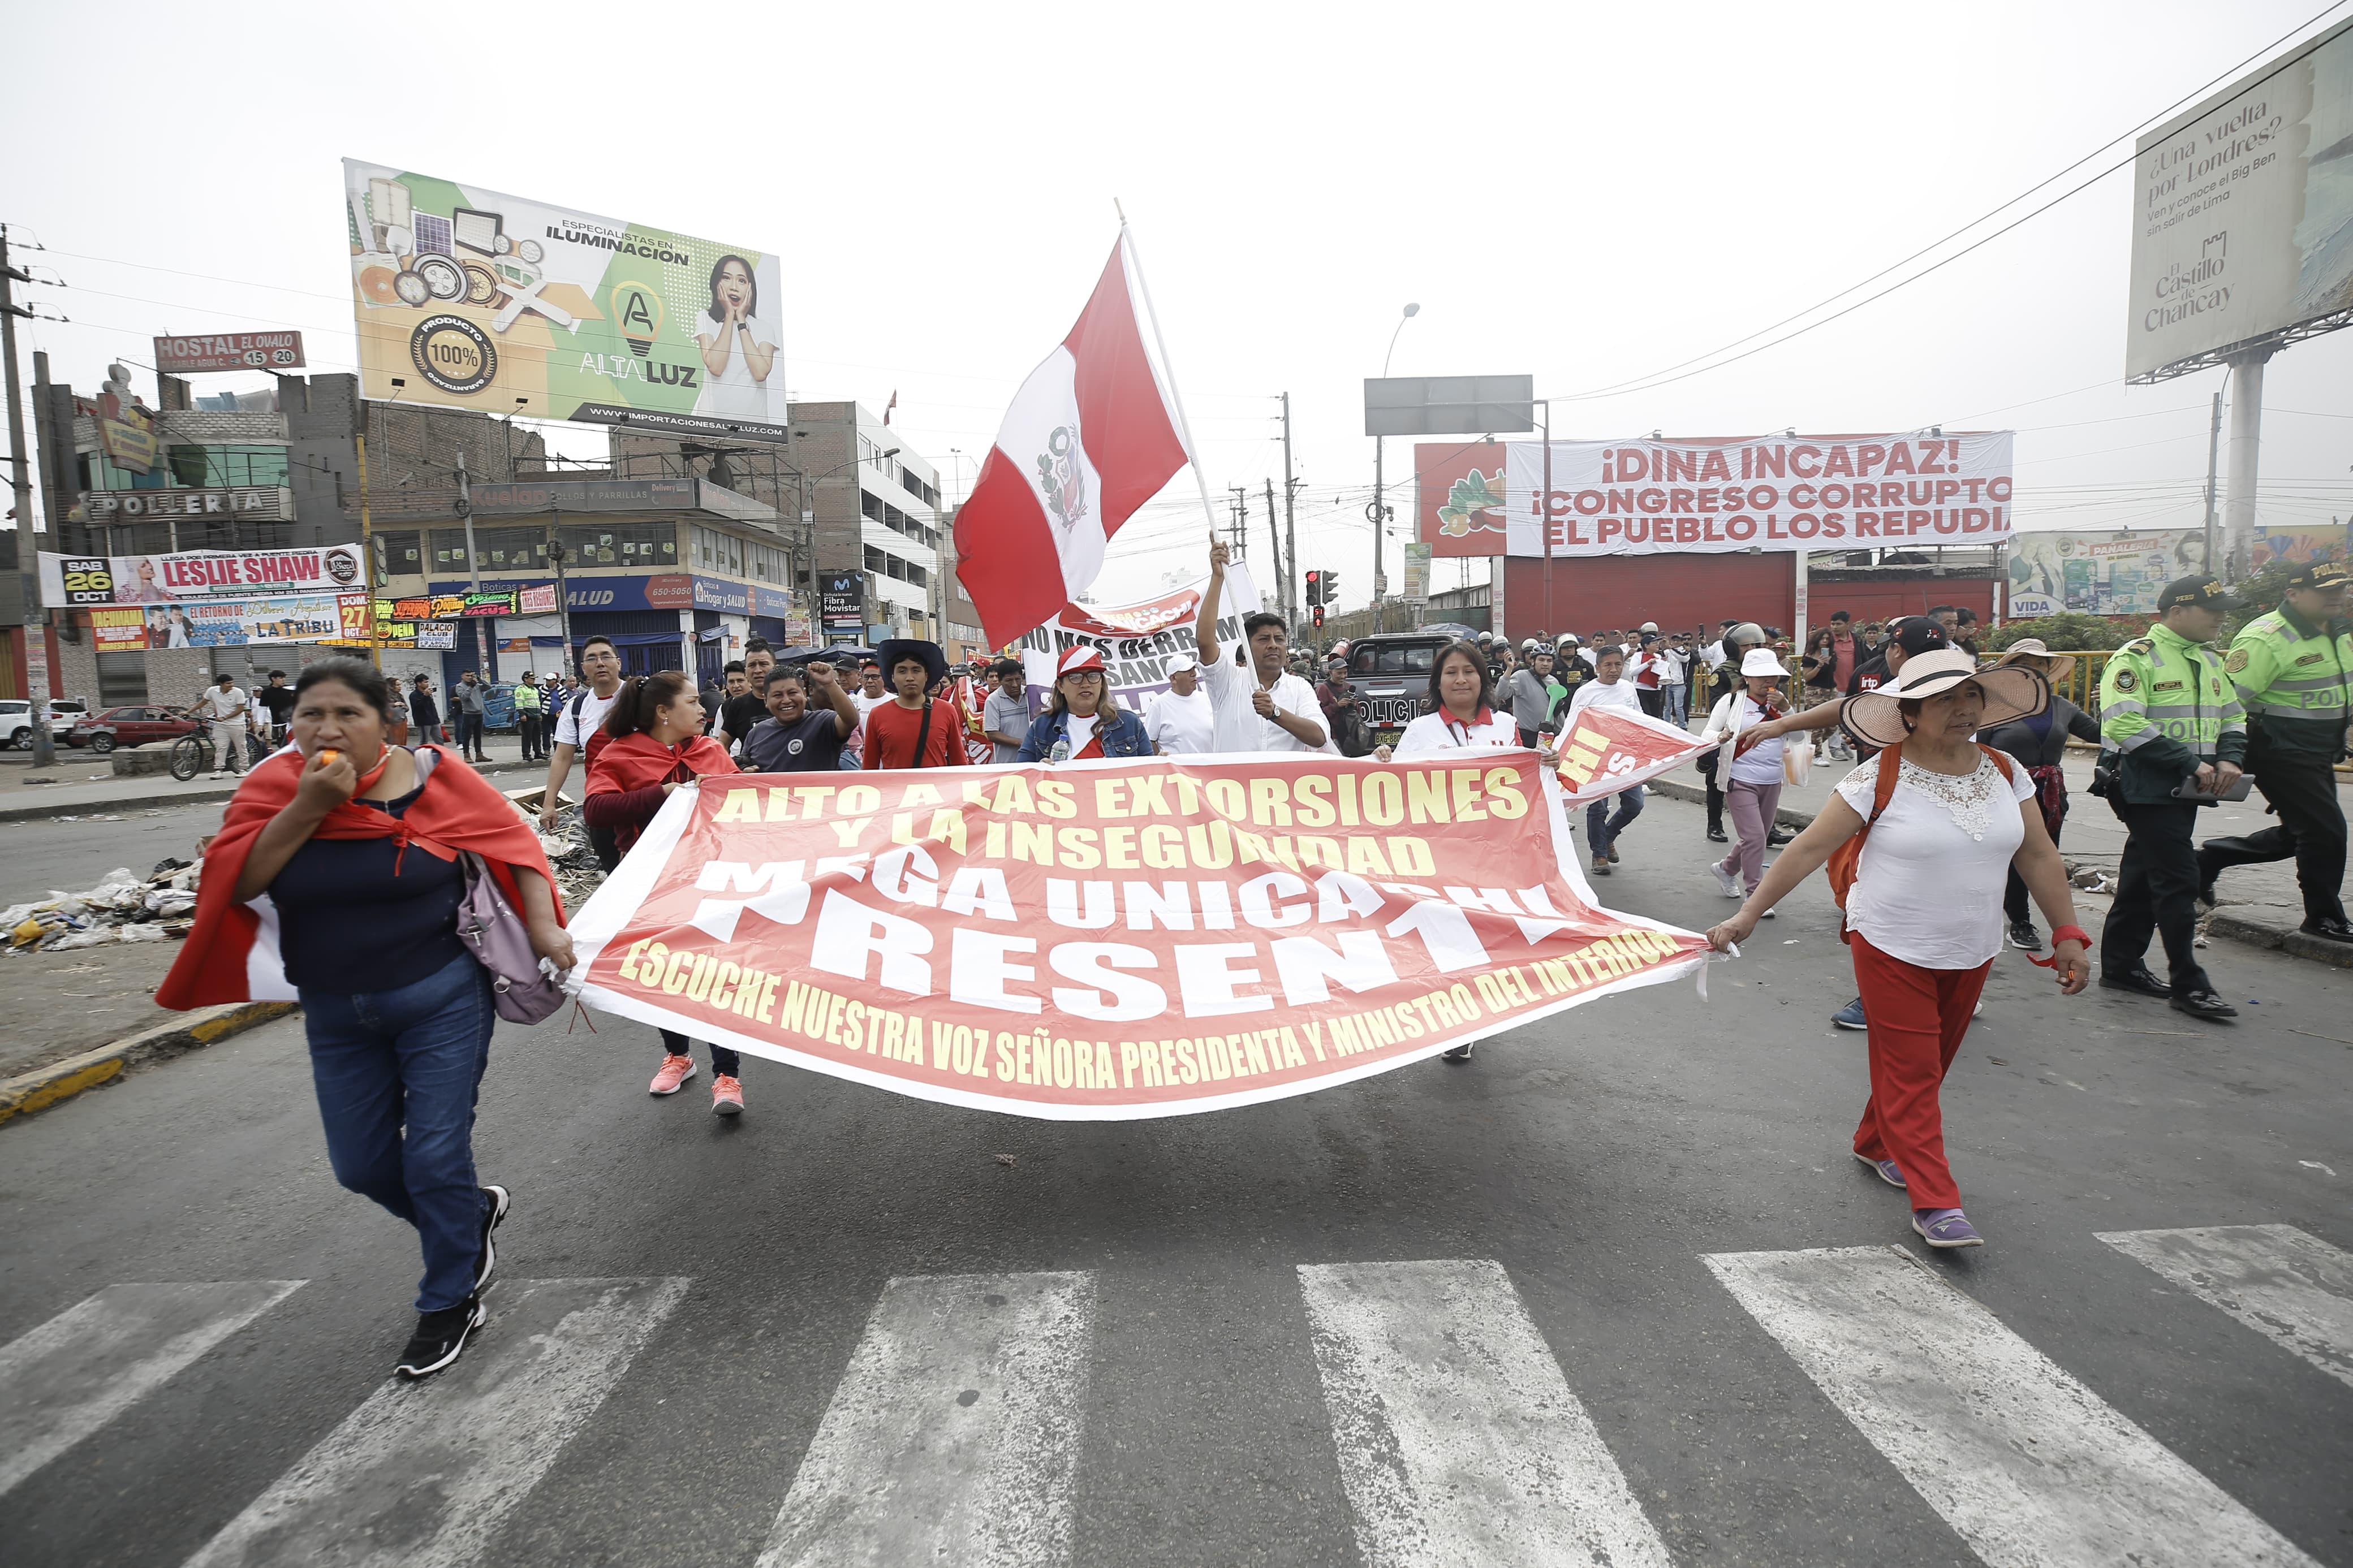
74, 1373
2290, 1287
2029, 1466
1459, 1442
422, 1473
952, 1438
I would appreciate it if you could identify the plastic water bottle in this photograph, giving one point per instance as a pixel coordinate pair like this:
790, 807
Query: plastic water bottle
1061, 752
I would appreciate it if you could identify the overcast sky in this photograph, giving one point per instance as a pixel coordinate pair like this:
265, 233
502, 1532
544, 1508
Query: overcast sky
1588, 194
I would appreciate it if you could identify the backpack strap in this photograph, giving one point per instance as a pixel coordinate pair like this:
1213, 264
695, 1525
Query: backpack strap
2001, 760
922, 734
1884, 791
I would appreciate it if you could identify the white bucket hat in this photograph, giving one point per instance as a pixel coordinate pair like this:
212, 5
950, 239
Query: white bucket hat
2011, 692
1761, 661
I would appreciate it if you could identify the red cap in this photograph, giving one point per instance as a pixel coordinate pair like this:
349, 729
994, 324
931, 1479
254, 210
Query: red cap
1082, 656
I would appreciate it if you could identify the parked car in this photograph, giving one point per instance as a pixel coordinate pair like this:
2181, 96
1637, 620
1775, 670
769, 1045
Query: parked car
1390, 671
115, 727
16, 719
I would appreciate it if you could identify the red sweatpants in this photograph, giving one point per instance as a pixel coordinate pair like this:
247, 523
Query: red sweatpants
1917, 1018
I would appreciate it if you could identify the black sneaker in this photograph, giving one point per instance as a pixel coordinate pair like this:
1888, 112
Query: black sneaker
2206, 899
1460, 1053
2327, 930
2204, 1004
2137, 980
440, 1337
1776, 837
496, 1201
1715, 836
2025, 937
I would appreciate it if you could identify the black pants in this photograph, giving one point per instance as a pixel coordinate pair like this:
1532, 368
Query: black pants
2311, 830
723, 1062
527, 731
1654, 701
2157, 890
1714, 804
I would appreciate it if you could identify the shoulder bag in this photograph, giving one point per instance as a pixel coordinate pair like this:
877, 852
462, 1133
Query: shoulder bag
501, 943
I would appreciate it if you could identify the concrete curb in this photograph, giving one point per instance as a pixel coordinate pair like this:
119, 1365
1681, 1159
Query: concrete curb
2286, 939
2231, 928
43, 810
44, 1086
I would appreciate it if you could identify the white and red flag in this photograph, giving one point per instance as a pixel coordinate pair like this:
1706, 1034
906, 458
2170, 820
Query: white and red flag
1092, 436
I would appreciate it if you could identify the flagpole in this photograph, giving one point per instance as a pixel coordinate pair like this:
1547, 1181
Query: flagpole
1184, 425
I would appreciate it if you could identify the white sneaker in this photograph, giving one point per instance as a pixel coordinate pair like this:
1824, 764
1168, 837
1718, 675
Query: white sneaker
1726, 880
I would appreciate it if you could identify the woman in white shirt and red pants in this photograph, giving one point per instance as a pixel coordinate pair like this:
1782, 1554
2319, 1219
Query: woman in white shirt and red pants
1924, 913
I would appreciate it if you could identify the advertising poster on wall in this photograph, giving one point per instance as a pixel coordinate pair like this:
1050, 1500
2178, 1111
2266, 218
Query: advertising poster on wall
2099, 576
235, 623
74, 582
1712, 495
475, 299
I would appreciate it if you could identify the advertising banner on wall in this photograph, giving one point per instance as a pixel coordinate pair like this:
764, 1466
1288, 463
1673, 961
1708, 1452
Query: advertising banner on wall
80, 581
1707, 495
234, 623
1115, 940
2097, 574
475, 299
2243, 213
1139, 641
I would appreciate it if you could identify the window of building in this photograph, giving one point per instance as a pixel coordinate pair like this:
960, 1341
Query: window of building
876, 561
871, 505
399, 553
623, 544
503, 550
225, 467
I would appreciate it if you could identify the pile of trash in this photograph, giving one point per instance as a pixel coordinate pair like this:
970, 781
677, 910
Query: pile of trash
569, 854
124, 906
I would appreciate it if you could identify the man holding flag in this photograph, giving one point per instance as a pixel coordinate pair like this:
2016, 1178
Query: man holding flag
1260, 705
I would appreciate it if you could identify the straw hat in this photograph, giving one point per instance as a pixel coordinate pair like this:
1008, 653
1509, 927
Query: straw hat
1761, 661
2011, 692
2062, 665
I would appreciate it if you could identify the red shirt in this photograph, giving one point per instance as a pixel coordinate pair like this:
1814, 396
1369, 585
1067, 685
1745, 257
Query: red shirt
890, 731
1842, 660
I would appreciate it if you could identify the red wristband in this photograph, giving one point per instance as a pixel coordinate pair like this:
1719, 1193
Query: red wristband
2063, 932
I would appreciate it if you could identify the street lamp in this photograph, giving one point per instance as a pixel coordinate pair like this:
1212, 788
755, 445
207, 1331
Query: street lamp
1379, 512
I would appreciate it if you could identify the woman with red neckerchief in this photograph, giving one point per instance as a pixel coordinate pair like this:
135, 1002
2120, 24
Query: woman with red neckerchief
654, 743
350, 837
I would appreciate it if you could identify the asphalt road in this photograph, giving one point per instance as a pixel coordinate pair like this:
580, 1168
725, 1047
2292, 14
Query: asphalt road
1190, 1342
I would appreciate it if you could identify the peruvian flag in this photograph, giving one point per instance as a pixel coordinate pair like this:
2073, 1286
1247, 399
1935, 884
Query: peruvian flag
1092, 436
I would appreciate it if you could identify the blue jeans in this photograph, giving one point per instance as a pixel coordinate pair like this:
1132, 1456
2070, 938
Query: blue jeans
1601, 830
396, 1073
1677, 698
469, 734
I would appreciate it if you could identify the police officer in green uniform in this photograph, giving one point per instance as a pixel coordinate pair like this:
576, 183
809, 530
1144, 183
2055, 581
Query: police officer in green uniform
2295, 673
2168, 716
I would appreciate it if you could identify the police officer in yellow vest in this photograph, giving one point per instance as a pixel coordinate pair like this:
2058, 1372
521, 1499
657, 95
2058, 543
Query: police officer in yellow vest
2295, 672
2169, 718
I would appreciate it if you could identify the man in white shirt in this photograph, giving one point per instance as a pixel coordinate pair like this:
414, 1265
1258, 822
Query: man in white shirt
578, 721
1182, 719
1260, 705
230, 713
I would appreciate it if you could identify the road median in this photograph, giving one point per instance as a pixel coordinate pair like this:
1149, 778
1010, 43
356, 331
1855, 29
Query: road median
46, 1086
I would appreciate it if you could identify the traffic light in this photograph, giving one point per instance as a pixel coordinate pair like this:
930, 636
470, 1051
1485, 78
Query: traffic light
1317, 611
1331, 587
1315, 593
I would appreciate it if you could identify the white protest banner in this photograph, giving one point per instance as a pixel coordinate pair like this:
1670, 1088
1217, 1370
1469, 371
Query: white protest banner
1139, 641
1721, 494
1609, 749
1112, 940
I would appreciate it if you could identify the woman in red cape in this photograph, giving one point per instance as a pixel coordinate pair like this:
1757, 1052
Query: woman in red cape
352, 848
654, 743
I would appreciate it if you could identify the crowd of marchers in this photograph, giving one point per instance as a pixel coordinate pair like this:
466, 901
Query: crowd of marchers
1935, 842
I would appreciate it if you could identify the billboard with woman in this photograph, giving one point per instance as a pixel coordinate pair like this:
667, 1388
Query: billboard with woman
474, 299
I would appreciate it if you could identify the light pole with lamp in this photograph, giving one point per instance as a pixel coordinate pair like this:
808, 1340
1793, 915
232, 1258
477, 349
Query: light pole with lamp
1377, 511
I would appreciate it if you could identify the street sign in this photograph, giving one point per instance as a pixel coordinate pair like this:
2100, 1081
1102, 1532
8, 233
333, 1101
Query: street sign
1450, 405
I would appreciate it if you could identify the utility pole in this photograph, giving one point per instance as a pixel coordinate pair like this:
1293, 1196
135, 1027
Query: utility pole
1274, 540
1380, 580
1289, 532
474, 570
36, 648
2213, 456
1241, 515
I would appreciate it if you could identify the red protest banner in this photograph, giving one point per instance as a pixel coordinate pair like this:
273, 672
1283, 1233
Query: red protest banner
1112, 940
1610, 748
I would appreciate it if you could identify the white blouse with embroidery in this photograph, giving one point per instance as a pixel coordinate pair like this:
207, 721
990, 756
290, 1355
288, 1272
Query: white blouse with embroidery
1928, 889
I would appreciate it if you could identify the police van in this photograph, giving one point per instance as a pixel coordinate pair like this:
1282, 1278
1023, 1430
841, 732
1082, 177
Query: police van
1390, 671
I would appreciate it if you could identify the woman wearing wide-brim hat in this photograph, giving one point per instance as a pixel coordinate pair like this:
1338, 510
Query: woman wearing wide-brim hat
2040, 741
1923, 912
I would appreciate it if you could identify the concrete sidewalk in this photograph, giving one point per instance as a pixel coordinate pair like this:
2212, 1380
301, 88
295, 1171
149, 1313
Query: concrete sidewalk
2259, 904
83, 784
